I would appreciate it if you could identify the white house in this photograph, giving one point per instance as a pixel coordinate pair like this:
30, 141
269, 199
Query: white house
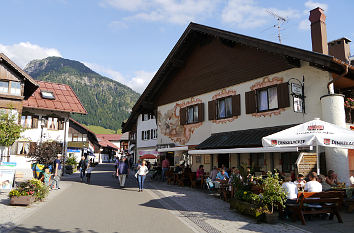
146, 139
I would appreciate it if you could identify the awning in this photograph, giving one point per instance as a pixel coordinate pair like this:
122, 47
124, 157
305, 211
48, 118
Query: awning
240, 138
243, 150
177, 148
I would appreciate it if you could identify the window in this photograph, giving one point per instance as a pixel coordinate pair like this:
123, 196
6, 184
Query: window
192, 114
224, 108
75, 137
4, 87
148, 135
145, 117
267, 99
54, 123
84, 137
11, 112
26, 121
23, 148
47, 95
15, 88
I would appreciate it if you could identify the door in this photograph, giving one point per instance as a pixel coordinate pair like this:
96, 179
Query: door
223, 159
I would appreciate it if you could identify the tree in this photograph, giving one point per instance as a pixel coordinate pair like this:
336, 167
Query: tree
45, 152
10, 131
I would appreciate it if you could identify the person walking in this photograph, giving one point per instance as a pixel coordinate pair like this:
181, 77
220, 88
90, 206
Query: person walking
57, 172
141, 173
165, 167
123, 171
88, 173
83, 164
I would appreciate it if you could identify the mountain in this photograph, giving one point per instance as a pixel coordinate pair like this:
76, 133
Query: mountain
107, 102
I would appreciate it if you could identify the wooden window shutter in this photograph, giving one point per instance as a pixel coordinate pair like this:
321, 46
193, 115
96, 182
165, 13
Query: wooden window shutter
236, 105
182, 116
201, 112
212, 110
251, 104
283, 95
61, 124
32, 147
142, 135
35, 122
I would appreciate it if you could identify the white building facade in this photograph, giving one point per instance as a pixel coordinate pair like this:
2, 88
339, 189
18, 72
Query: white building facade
146, 138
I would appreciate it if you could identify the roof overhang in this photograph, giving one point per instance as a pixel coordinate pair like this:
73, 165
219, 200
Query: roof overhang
244, 150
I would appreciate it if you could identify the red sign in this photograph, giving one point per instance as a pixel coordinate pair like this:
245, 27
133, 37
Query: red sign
315, 127
327, 141
274, 142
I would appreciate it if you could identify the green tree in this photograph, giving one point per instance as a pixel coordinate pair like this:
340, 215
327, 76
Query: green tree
45, 152
10, 131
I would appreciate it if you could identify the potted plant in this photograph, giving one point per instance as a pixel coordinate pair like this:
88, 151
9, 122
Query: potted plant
28, 192
273, 196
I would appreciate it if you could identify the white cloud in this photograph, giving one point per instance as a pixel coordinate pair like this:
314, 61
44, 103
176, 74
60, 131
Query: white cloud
310, 5
172, 11
138, 81
247, 14
118, 25
24, 52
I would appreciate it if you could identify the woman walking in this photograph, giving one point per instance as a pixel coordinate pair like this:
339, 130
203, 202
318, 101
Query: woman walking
141, 173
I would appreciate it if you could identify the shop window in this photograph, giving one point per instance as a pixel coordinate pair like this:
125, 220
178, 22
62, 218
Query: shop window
4, 87
15, 88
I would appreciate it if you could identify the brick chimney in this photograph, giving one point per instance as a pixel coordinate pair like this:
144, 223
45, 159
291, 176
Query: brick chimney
318, 31
340, 49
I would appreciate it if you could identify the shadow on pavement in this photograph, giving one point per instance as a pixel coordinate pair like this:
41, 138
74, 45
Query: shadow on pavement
9, 227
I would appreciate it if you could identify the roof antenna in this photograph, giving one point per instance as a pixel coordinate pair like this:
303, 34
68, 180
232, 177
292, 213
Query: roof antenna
280, 21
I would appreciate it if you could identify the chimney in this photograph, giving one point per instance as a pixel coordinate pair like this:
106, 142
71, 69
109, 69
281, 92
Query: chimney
340, 49
318, 31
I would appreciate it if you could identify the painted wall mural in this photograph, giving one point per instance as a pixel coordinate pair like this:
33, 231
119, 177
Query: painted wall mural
224, 93
169, 123
266, 82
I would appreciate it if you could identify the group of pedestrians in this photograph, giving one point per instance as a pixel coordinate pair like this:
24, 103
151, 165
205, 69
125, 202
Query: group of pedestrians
85, 167
122, 171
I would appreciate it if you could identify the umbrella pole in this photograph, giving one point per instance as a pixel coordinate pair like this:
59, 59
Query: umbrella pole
318, 159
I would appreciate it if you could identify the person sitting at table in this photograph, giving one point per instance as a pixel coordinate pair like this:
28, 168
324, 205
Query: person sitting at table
290, 189
322, 180
200, 172
313, 185
213, 173
222, 175
300, 181
331, 178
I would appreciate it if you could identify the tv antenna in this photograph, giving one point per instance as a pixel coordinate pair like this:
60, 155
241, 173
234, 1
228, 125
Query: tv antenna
280, 21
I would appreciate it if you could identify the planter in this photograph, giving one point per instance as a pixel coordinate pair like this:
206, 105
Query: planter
246, 208
21, 200
271, 218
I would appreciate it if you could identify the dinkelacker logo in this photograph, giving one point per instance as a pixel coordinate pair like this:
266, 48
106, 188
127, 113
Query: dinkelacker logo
315, 127
274, 142
327, 141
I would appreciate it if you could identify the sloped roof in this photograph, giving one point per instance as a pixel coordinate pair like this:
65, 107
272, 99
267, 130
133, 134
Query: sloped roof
195, 32
106, 143
109, 137
239, 139
65, 99
90, 133
30, 84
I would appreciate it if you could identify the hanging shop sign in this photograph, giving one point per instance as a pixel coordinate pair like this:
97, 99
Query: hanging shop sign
297, 91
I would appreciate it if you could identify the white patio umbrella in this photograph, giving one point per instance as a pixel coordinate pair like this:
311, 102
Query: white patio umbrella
312, 133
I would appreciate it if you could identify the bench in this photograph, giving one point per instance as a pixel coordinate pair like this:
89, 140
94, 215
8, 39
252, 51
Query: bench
309, 203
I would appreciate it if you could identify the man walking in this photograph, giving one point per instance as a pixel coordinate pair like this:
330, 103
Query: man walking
122, 171
57, 172
83, 166
165, 167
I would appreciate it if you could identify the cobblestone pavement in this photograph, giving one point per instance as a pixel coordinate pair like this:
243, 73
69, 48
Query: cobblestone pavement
207, 213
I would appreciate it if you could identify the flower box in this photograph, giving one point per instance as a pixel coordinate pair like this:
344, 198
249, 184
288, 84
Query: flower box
21, 200
246, 208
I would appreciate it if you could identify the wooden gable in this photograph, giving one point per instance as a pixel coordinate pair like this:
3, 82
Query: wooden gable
8, 74
216, 65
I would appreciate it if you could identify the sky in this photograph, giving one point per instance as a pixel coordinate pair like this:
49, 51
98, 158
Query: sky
128, 40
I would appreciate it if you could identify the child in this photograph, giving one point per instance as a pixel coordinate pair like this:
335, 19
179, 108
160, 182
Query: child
88, 173
46, 176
